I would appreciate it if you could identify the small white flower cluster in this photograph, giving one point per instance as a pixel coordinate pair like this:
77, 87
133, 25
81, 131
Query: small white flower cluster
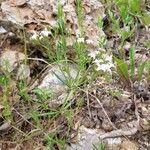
80, 40
104, 63
41, 35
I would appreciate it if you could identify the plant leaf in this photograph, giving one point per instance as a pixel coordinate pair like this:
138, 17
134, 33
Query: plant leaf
141, 70
146, 18
132, 60
122, 68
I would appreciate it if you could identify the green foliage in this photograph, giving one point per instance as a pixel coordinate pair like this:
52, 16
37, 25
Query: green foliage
147, 44
134, 6
115, 22
23, 91
102, 42
100, 147
127, 73
144, 67
126, 33
34, 114
132, 61
115, 92
141, 70
61, 19
47, 46
81, 56
79, 10
5, 82
53, 141
129, 11
42, 95
100, 22
122, 69
61, 48
145, 18
55, 49
148, 69
131, 6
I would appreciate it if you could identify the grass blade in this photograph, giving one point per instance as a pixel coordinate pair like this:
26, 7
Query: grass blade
141, 70
122, 69
132, 61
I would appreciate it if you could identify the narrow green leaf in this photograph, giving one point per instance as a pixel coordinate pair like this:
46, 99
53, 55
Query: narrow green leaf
141, 70
146, 18
132, 60
122, 68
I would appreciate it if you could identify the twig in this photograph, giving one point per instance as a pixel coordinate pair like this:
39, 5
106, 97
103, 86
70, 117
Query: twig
136, 111
39, 59
103, 110
118, 133
121, 132
8, 142
88, 103
2, 43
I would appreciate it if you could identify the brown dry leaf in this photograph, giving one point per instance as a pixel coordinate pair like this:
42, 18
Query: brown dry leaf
93, 33
94, 8
31, 27
140, 58
129, 145
145, 124
46, 16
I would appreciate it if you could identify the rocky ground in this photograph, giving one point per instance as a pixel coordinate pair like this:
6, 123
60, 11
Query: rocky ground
114, 114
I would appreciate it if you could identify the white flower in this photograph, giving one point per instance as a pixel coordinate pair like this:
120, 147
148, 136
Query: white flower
104, 67
102, 50
105, 63
63, 2
98, 61
45, 33
80, 40
89, 41
34, 36
78, 33
93, 54
108, 58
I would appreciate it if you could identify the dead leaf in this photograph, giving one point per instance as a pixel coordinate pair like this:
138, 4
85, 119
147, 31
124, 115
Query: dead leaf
129, 145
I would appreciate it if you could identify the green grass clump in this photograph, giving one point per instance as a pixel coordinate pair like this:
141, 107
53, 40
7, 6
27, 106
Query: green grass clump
33, 104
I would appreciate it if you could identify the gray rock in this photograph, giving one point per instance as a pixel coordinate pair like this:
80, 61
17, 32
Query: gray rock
56, 78
9, 60
88, 138
23, 72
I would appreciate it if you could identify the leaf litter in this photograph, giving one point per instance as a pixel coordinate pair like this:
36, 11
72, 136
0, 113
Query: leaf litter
111, 113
